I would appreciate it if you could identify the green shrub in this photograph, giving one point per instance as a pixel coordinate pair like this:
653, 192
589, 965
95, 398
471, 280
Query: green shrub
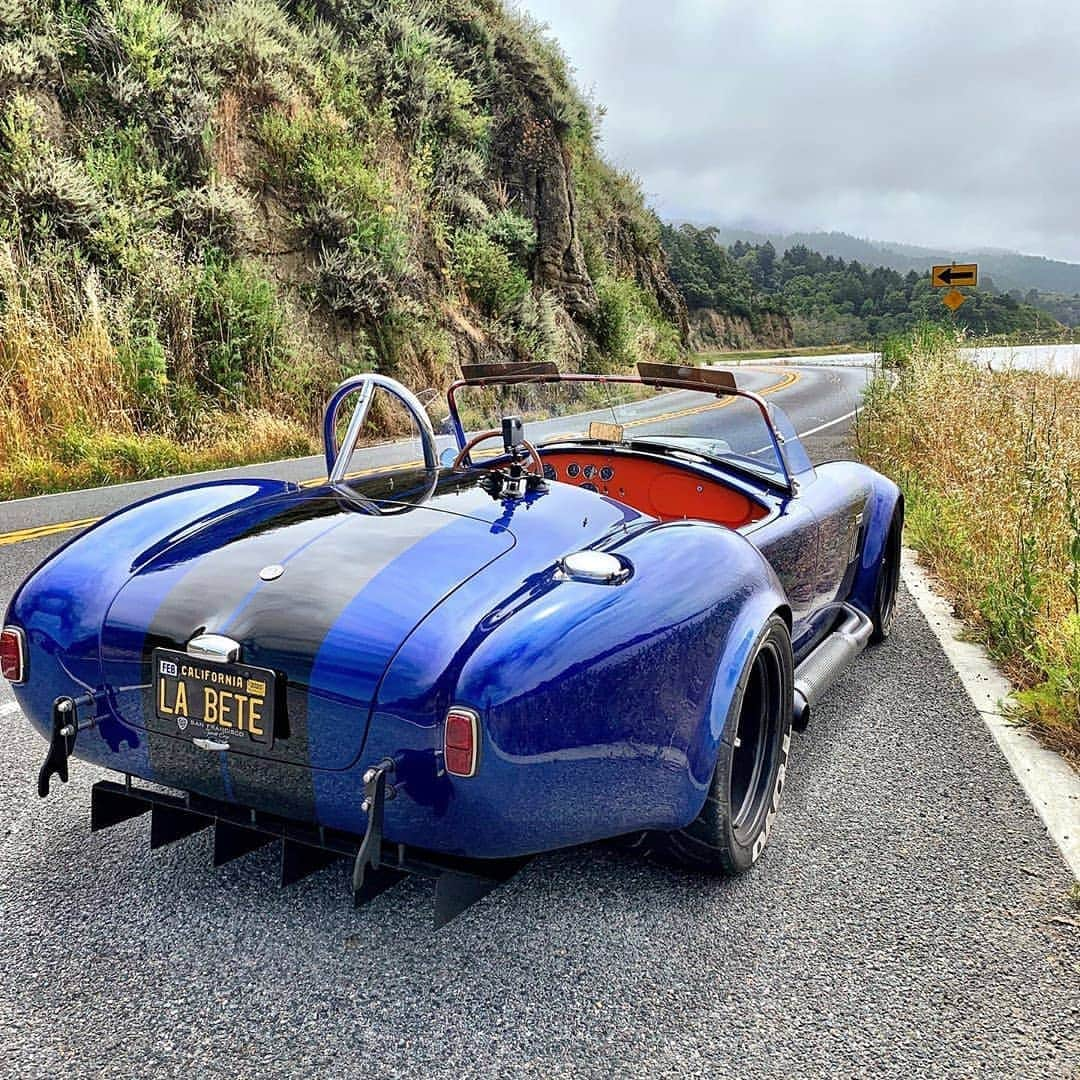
514, 233
629, 327
142, 356
613, 324
491, 278
925, 341
424, 76
458, 181
239, 326
137, 36
352, 281
218, 215
538, 331
256, 44
126, 166
43, 192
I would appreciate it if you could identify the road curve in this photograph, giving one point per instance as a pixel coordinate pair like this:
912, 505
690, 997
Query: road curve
910, 918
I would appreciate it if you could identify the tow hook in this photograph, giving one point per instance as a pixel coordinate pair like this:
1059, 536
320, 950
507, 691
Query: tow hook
66, 726
377, 790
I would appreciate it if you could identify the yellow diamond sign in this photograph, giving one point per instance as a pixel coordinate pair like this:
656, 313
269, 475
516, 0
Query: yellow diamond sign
953, 299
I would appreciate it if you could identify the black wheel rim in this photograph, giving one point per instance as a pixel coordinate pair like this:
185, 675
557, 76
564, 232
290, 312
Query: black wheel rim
753, 760
890, 577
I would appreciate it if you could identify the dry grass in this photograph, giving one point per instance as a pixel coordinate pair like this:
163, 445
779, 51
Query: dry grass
69, 415
57, 363
990, 466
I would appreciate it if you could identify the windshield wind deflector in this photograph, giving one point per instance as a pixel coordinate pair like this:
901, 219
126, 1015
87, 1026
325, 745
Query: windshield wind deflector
657, 374
664, 408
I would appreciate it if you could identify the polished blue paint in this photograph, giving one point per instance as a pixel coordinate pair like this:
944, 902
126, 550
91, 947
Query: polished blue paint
601, 706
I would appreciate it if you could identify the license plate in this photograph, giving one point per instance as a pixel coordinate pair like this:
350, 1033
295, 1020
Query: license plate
225, 702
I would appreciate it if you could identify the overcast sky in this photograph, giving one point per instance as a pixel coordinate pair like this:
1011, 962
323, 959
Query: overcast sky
946, 124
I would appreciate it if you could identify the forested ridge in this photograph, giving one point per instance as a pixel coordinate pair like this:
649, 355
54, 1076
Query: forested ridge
1012, 271
830, 300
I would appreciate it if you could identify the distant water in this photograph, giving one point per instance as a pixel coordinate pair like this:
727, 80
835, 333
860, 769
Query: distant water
1064, 359
1060, 358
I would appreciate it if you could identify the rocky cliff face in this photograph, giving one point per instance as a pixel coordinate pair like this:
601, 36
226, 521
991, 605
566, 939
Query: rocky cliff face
533, 163
548, 173
712, 331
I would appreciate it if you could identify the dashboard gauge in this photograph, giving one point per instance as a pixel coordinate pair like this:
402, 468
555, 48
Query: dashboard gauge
573, 469
550, 473
606, 473
588, 487
589, 472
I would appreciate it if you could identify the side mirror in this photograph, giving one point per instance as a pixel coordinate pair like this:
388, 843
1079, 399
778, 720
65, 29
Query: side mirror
448, 457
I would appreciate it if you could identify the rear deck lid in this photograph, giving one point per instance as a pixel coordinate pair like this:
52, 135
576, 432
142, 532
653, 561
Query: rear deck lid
319, 590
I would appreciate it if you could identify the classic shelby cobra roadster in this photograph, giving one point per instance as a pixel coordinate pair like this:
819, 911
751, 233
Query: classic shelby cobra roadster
604, 625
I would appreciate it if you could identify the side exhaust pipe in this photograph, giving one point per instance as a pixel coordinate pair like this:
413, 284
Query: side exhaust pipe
820, 671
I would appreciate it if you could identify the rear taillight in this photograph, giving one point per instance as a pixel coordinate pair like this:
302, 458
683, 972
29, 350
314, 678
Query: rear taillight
13, 654
460, 741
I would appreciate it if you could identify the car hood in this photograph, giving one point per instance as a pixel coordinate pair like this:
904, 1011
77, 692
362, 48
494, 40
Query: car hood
355, 579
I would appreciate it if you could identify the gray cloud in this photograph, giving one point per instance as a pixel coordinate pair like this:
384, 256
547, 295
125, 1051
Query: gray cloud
930, 123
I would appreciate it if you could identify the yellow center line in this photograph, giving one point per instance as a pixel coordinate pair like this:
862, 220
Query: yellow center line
39, 532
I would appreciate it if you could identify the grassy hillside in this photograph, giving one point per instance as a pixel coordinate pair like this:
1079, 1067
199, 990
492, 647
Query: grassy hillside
211, 212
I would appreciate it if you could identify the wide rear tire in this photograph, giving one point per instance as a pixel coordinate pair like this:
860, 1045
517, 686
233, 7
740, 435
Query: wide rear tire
731, 832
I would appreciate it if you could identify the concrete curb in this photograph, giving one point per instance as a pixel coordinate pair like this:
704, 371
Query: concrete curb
1048, 781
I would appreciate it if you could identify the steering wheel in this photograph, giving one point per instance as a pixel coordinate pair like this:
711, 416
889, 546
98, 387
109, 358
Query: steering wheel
494, 433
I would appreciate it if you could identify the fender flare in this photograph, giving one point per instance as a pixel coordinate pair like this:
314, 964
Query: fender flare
732, 665
885, 499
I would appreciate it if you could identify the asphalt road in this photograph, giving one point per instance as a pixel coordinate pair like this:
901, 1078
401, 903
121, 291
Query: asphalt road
910, 918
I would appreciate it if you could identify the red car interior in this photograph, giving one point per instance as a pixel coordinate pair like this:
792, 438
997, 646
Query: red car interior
658, 488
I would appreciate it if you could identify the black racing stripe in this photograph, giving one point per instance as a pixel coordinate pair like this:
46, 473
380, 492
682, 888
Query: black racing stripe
329, 553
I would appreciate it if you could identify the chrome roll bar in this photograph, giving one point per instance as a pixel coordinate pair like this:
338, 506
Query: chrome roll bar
337, 458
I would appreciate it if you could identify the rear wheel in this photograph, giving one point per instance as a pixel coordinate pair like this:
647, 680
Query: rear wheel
730, 833
888, 579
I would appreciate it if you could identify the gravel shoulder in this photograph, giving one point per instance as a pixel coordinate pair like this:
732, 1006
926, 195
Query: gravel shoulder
911, 917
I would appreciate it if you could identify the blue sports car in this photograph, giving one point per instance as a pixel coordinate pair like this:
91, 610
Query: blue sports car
595, 606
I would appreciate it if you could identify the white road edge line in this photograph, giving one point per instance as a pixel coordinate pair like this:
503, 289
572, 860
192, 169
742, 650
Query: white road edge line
812, 431
828, 424
1052, 787
9, 707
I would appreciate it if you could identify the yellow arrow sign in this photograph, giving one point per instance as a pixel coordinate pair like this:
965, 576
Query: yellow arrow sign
948, 277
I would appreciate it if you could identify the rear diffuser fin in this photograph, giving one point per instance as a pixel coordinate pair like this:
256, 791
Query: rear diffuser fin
171, 823
306, 849
109, 806
231, 841
299, 860
456, 892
